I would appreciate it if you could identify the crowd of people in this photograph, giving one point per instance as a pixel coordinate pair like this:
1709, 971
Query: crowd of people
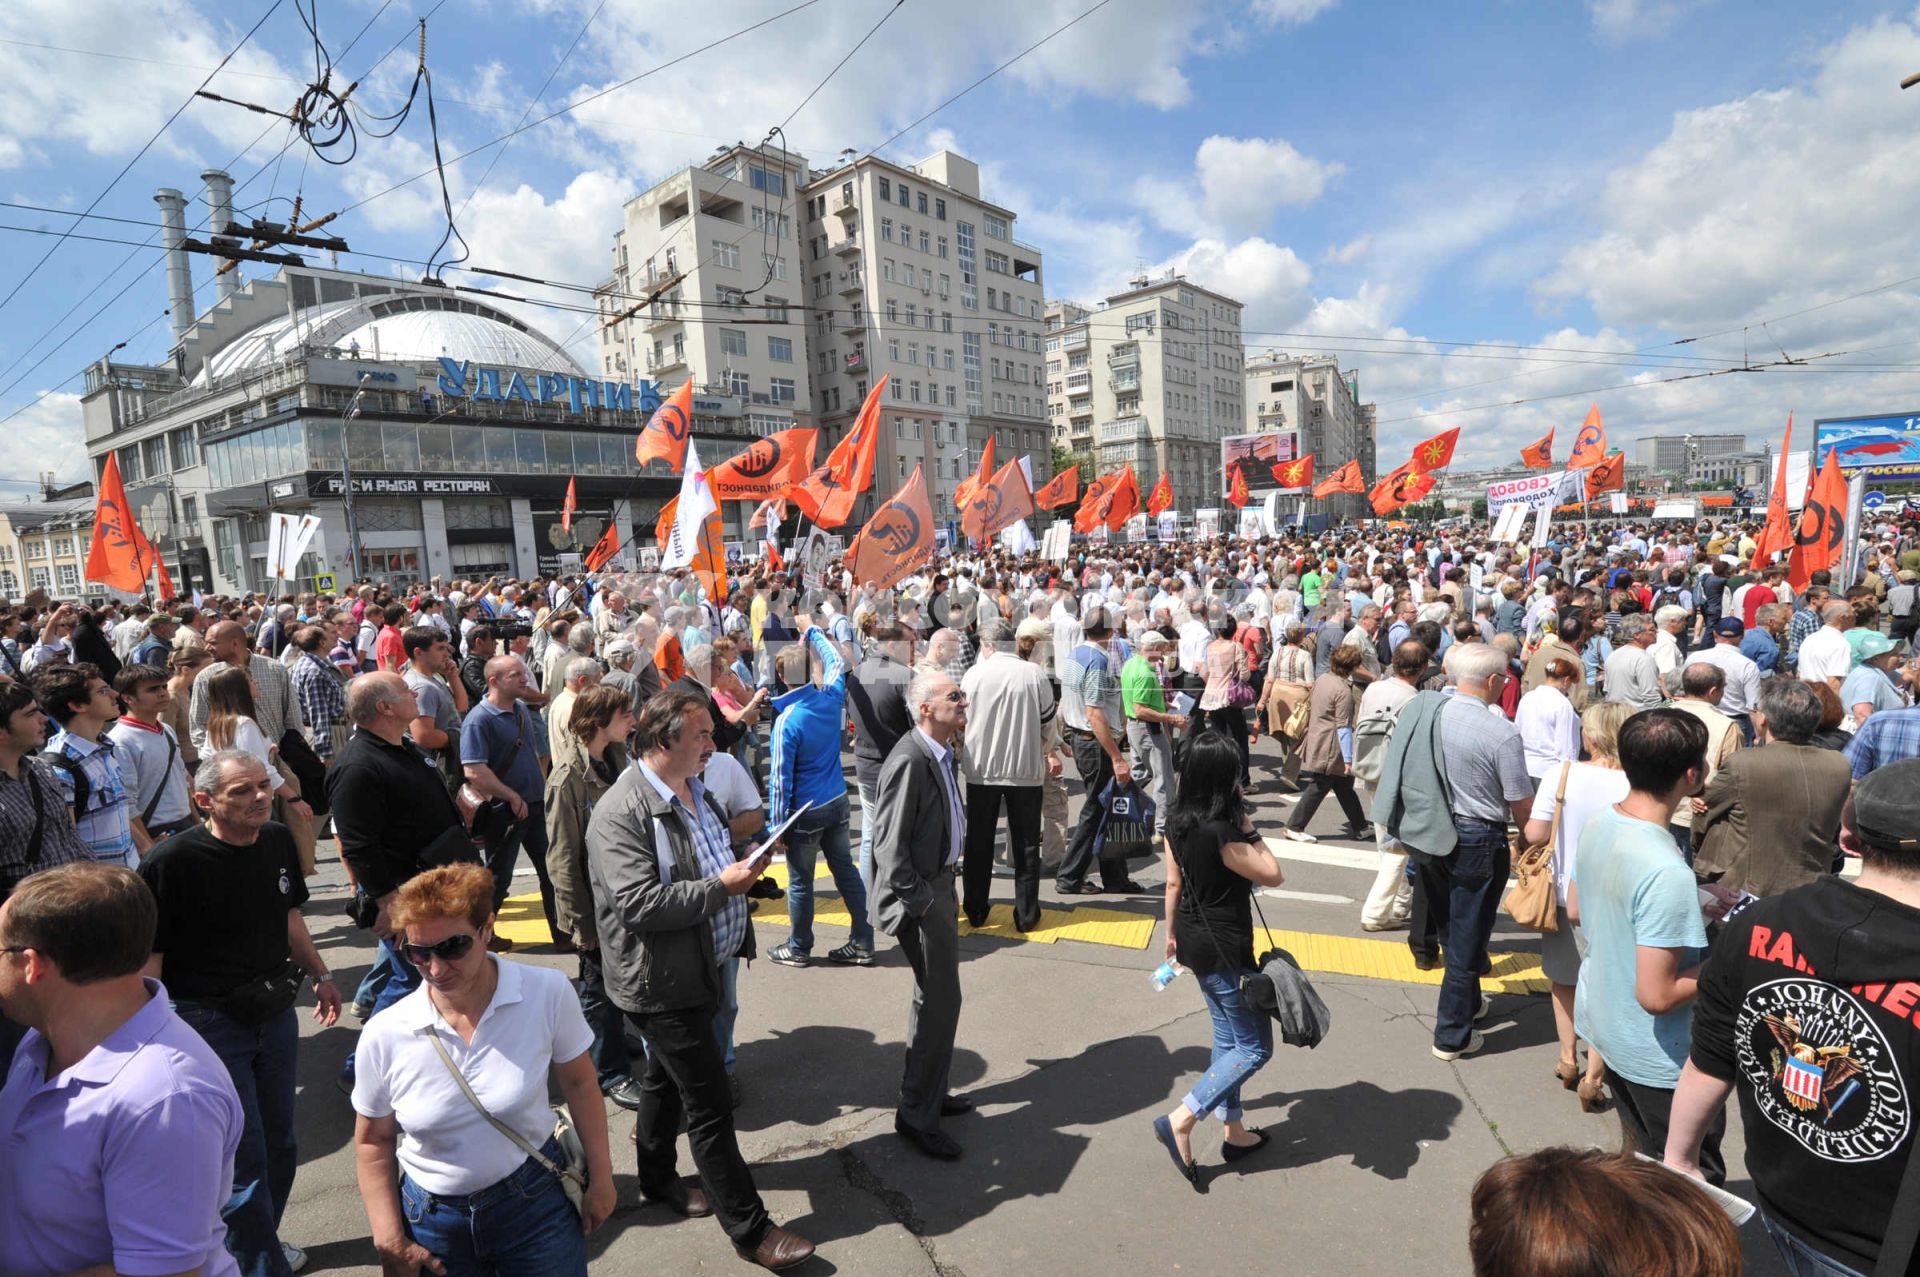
1700, 745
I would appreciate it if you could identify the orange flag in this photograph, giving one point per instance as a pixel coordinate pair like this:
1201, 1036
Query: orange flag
1435, 453
998, 502
567, 508
605, 548
896, 539
710, 558
1297, 473
663, 526
121, 555
980, 475
1590, 445
1538, 456
1348, 478
1778, 534
1609, 476
1822, 531
766, 469
1162, 496
1401, 488
1119, 502
1059, 490
166, 582
1237, 489
664, 437
1086, 517
826, 495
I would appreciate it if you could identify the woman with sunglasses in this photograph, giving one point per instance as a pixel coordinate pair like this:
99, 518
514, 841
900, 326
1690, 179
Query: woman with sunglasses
447, 1191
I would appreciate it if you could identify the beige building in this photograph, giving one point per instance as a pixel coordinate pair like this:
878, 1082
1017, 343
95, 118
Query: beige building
911, 274
1153, 376
1315, 408
44, 546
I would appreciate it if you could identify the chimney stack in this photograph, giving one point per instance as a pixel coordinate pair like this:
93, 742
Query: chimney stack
173, 233
219, 215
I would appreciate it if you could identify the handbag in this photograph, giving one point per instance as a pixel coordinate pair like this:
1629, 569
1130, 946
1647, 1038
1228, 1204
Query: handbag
1126, 825
1239, 692
572, 1175
296, 756
1531, 901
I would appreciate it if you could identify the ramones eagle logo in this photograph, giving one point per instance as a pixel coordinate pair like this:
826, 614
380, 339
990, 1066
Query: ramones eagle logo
1821, 1070
895, 529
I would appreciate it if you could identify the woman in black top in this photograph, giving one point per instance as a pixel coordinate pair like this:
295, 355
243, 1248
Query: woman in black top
1214, 860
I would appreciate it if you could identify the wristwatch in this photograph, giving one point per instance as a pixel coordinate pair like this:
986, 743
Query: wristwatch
323, 976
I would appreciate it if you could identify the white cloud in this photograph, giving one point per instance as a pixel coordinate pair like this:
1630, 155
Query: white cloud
1269, 280
1292, 12
1236, 186
1348, 253
1618, 20
47, 436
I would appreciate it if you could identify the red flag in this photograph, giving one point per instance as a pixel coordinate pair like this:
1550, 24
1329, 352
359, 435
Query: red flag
981, 474
121, 555
1590, 445
1087, 516
1162, 497
1297, 473
1435, 453
826, 495
1822, 531
1059, 490
998, 502
1348, 478
1609, 476
1401, 488
766, 469
1237, 490
664, 437
1538, 456
605, 548
663, 526
567, 508
1119, 502
1778, 534
896, 539
166, 582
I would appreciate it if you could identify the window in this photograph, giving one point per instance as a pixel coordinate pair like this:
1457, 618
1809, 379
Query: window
725, 254
895, 387
180, 444
940, 211
886, 269
943, 246
923, 239
907, 275
780, 350
998, 263
905, 199
776, 309
885, 189
42, 578
893, 349
946, 286
946, 324
913, 352
733, 341
993, 369
886, 228
776, 267
952, 390
765, 219
9, 584
190, 513
914, 389
893, 311
948, 354
911, 315
994, 226
768, 180
738, 383
782, 389
970, 354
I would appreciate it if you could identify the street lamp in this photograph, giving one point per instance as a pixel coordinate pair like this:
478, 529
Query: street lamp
346, 478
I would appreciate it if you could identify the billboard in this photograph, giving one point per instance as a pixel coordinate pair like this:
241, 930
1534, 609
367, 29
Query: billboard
1263, 451
1885, 447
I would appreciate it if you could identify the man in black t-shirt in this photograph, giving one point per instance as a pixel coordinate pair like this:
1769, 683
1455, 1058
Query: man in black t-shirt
229, 936
1809, 1006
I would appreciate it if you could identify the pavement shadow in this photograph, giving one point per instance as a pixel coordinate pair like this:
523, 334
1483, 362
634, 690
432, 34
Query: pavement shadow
1377, 1129
813, 1074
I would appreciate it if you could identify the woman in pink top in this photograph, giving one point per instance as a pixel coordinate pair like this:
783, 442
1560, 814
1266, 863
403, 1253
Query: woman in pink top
1224, 662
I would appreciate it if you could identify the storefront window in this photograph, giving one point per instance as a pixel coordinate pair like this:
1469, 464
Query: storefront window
533, 451
296, 453
363, 445
560, 453
469, 449
402, 449
500, 454
614, 454
323, 445
436, 449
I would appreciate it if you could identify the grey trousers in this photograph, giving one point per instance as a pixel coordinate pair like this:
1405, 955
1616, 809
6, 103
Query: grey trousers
932, 945
1150, 752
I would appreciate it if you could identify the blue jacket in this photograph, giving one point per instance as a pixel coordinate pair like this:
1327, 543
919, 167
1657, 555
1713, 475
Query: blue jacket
806, 738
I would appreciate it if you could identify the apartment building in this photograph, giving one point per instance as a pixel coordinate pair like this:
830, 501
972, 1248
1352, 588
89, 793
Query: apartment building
1313, 407
1152, 377
911, 274
1676, 454
43, 546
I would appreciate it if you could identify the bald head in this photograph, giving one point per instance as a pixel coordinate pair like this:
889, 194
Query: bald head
374, 700
227, 640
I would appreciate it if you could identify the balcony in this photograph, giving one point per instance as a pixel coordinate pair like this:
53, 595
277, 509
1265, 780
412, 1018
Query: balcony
664, 317
1075, 341
1122, 429
850, 246
855, 362
666, 360
848, 205
854, 323
1127, 379
850, 283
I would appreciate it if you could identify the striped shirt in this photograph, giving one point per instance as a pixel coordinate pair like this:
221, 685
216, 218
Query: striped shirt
19, 812
323, 701
106, 824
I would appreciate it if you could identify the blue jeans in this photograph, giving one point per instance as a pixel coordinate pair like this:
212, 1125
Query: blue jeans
401, 978
1242, 1042
612, 1058
1803, 1260
523, 1226
1463, 896
261, 1059
824, 829
728, 1011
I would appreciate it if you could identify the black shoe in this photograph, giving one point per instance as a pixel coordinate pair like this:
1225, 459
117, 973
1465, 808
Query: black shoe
1353, 833
1076, 889
1234, 1152
955, 1106
766, 889
1163, 1132
936, 1144
788, 956
1127, 888
1427, 961
625, 1093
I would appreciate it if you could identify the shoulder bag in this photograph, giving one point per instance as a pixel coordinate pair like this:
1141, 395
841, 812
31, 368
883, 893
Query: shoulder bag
1531, 902
572, 1175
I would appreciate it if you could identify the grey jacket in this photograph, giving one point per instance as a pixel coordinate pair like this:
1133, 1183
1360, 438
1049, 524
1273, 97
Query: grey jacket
656, 940
1414, 800
911, 834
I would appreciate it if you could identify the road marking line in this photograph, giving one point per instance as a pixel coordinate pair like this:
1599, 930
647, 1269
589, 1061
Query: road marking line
1309, 853
1311, 897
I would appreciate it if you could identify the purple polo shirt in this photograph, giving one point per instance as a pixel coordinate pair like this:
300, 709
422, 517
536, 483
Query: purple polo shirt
126, 1158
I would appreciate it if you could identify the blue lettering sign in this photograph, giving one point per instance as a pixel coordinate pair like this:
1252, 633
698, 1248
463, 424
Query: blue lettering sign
582, 393
548, 388
453, 376
487, 384
578, 393
517, 389
617, 394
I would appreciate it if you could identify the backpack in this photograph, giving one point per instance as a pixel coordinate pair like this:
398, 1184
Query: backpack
82, 787
1370, 738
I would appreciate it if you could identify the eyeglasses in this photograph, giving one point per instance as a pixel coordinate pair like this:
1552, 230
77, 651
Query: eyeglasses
452, 949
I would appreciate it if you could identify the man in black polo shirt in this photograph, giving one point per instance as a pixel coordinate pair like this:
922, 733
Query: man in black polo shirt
393, 817
230, 947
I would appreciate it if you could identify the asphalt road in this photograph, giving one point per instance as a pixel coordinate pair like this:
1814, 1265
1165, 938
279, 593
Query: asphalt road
1069, 1052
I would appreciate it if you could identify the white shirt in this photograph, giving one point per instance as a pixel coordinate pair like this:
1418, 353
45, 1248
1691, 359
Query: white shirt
731, 785
446, 1147
1825, 654
1666, 659
1590, 790
1743, 676
1549, 729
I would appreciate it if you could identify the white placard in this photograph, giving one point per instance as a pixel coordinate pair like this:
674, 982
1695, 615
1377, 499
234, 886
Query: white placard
1617, 502
1169, 525
1206, 523
287, 538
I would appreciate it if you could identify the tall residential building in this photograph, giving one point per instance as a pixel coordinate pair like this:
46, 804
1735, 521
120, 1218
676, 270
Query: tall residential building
1152, 377
1315, 408
1675, 454
910, 274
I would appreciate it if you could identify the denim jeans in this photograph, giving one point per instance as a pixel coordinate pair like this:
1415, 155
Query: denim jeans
1463, 896
402, 978
728, 1011
261, 1060
1242, 1042
1801, 1259
824, 829
530, 834
523, 1226
612, 1058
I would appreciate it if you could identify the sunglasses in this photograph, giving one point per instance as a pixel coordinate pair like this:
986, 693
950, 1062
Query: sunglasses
452, 949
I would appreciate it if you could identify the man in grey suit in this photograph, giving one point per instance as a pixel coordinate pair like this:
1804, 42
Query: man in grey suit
919, 828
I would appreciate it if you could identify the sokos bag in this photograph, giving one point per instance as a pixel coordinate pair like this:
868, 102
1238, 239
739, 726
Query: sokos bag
1126, 830
572, 1175
1532, 902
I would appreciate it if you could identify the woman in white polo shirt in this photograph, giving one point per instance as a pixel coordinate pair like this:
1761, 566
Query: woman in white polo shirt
438, 1179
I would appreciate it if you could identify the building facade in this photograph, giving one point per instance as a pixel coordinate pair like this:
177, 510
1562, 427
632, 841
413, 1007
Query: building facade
43, 546
1315, 408
1675, 454
1152, 377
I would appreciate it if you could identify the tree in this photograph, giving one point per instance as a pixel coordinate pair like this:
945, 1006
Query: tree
1065, 457
1479, 507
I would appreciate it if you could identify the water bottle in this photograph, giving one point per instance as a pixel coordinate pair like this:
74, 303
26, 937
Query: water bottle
1164, 974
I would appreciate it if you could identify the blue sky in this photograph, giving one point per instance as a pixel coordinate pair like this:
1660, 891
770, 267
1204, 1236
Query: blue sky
1554, 185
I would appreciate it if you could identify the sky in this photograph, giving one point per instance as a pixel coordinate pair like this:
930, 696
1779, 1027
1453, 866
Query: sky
1700, 216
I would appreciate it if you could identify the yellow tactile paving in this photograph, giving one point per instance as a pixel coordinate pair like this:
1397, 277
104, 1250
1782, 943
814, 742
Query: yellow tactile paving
1513, 972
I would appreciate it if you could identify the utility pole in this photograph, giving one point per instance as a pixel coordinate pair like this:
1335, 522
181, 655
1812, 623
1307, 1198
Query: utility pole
346, 479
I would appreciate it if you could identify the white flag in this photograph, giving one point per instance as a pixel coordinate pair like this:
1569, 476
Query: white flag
1017, 536
696, 503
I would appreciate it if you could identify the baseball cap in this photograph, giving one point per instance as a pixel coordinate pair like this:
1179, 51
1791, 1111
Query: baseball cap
1886, 806
1730, 626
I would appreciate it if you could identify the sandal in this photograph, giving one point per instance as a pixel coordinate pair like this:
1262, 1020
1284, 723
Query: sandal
1593, 1095
1569, 1075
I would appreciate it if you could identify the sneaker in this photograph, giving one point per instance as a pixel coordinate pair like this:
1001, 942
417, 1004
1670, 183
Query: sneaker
1297, 835
1486, 1009
851, 954
360, 1010
788, 956
296, 1258
1474, 1043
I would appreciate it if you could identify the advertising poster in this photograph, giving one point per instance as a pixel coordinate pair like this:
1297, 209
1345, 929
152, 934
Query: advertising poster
1882, 447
